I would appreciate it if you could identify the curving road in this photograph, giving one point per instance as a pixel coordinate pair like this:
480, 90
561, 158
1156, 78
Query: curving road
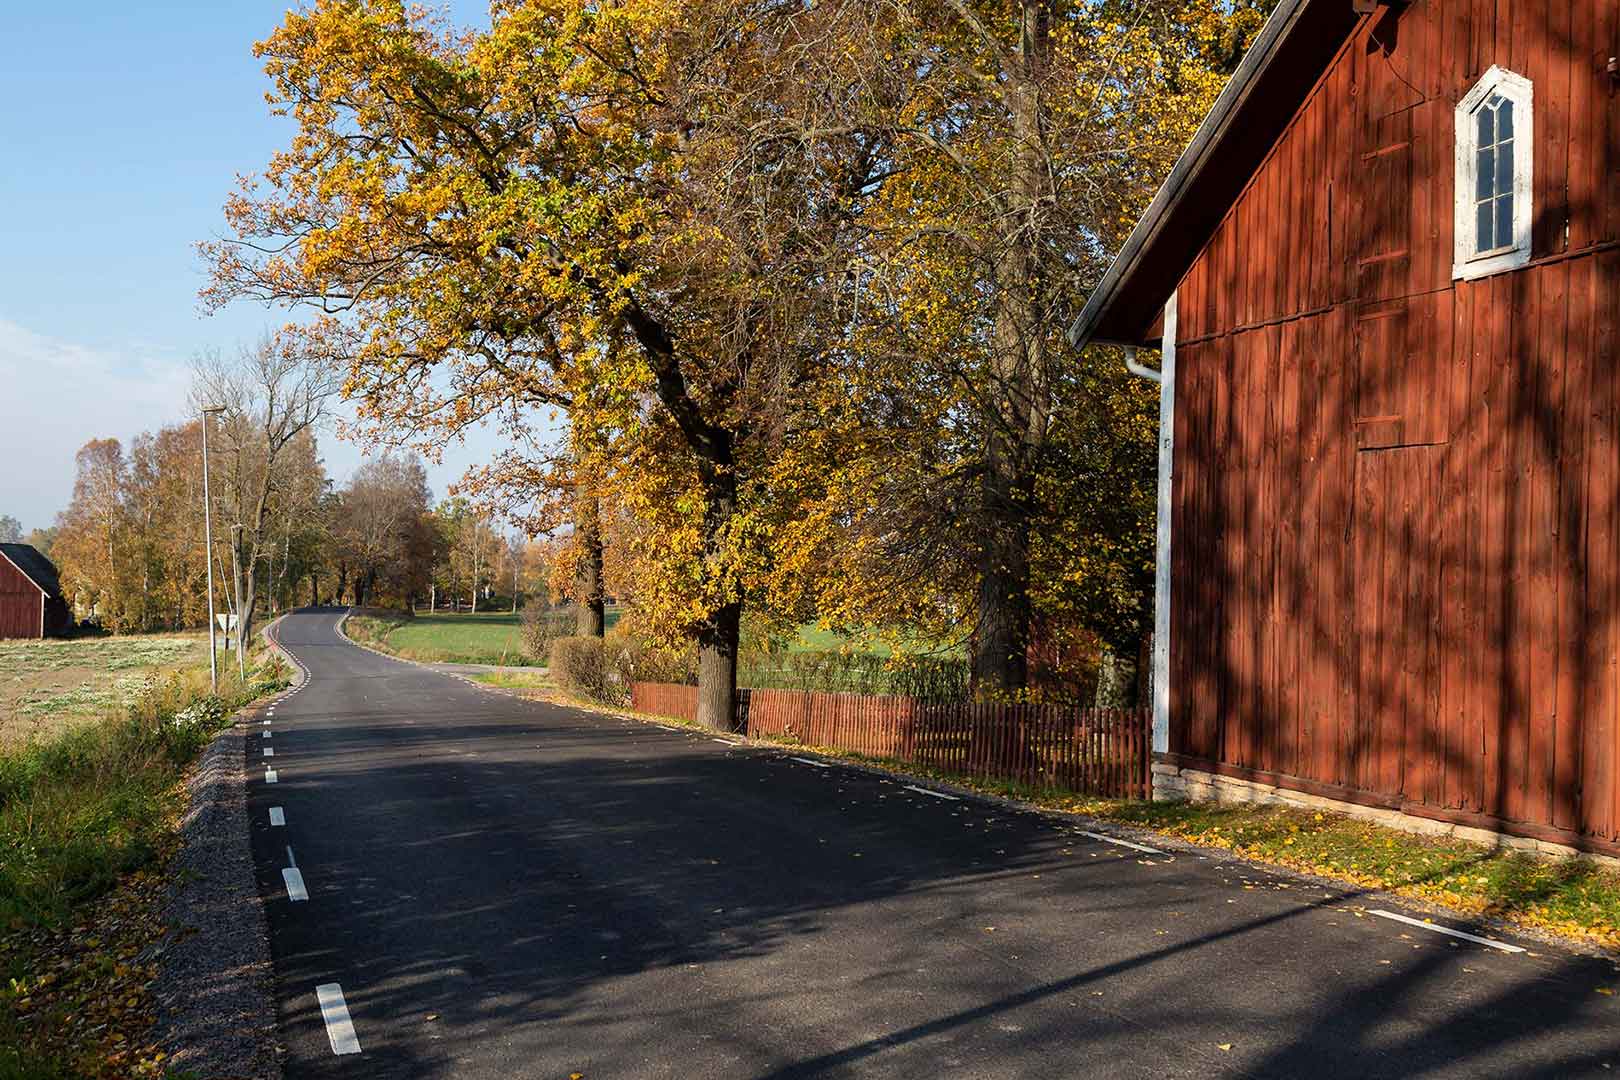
501, 888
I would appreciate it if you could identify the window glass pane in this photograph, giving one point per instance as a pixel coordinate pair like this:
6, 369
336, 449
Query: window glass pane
1485, 174
1504, 220
1504, 120
1504, 168
1487, 126
1483, 228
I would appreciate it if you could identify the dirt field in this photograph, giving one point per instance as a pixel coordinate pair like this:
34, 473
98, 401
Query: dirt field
46, 685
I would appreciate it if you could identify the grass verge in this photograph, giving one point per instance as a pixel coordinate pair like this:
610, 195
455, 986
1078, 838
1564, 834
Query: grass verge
88, 819
515, 680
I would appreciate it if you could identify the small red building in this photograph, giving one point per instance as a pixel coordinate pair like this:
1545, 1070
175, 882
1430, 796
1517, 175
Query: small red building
1386, 279
31, 604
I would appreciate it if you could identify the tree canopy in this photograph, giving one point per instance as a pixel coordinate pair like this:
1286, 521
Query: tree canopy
768, 295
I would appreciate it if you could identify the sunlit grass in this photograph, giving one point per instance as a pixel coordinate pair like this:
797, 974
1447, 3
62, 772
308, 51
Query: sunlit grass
484, 638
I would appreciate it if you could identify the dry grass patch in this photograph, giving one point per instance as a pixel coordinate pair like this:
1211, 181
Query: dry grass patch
48, 686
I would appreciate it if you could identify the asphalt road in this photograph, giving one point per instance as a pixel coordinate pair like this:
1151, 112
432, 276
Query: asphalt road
503, 888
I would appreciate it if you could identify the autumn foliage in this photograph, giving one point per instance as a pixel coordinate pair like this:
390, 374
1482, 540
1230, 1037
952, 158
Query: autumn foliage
773, 292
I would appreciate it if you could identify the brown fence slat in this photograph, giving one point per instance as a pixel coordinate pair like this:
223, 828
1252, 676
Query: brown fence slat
1101, 752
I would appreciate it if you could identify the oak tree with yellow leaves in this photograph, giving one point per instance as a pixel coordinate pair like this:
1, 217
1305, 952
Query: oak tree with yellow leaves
634, 211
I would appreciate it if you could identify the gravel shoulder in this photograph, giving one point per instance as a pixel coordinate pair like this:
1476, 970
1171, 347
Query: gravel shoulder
216, 1010
216, 1014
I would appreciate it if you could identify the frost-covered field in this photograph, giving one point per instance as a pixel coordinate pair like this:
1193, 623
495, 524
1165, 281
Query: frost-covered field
47, 684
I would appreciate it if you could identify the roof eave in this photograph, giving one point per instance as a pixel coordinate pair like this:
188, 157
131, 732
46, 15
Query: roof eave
43, 591
1187, 168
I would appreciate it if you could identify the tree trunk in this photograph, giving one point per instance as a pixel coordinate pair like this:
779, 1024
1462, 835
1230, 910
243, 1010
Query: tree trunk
244, 614
1116, 680
591, 619
717, 669
720, 636
1021, 405
1001, 643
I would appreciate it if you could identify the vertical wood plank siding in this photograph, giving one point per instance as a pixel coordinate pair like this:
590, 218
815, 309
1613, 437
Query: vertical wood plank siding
20, 610
1395, 574
1104, 752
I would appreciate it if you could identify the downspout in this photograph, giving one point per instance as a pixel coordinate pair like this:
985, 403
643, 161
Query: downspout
1166, 378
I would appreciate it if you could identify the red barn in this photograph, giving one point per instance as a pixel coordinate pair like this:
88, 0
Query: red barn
31, 604
1385, 279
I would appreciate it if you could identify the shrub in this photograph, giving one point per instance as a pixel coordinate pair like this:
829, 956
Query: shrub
635, 660
579, 664
541, 626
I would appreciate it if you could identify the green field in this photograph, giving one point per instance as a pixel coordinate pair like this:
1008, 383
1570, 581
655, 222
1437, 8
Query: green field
494, 637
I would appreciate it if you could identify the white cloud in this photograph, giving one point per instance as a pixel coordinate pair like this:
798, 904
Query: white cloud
57, 395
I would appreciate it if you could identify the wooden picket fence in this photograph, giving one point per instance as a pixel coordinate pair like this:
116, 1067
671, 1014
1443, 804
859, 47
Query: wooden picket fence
1102, 752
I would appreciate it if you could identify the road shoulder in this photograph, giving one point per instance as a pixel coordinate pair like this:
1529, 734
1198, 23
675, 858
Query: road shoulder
214, 988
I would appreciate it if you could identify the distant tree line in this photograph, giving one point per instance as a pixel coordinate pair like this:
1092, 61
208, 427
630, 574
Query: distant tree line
131, 549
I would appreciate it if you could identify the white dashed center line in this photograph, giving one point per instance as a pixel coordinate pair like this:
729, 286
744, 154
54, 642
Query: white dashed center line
295, 883
277, 816
935, 794
339, 1028
808, 761
269, 752
267, 734
1421, 925
1117, 842
725, 742
269, 776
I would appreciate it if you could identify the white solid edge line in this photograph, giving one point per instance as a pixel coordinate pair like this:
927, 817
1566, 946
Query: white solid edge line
1421, 925
1121, 843
269, 776
278, 816
808, 761
935, 794
294, 882
339, 1028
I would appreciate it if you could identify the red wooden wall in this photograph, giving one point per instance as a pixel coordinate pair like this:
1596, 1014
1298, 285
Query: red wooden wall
1395, 562
19, 603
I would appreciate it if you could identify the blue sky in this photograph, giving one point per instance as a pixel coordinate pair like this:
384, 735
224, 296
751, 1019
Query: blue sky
122, 130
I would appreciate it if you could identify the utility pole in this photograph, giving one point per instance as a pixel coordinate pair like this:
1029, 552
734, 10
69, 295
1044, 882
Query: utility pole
208, 553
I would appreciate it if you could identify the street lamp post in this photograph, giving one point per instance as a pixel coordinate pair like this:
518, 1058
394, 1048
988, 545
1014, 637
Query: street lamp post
208, 552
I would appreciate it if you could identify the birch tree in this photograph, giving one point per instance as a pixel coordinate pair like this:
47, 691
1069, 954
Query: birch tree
273, 397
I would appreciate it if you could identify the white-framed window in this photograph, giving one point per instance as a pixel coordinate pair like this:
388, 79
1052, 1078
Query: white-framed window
1495, 163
